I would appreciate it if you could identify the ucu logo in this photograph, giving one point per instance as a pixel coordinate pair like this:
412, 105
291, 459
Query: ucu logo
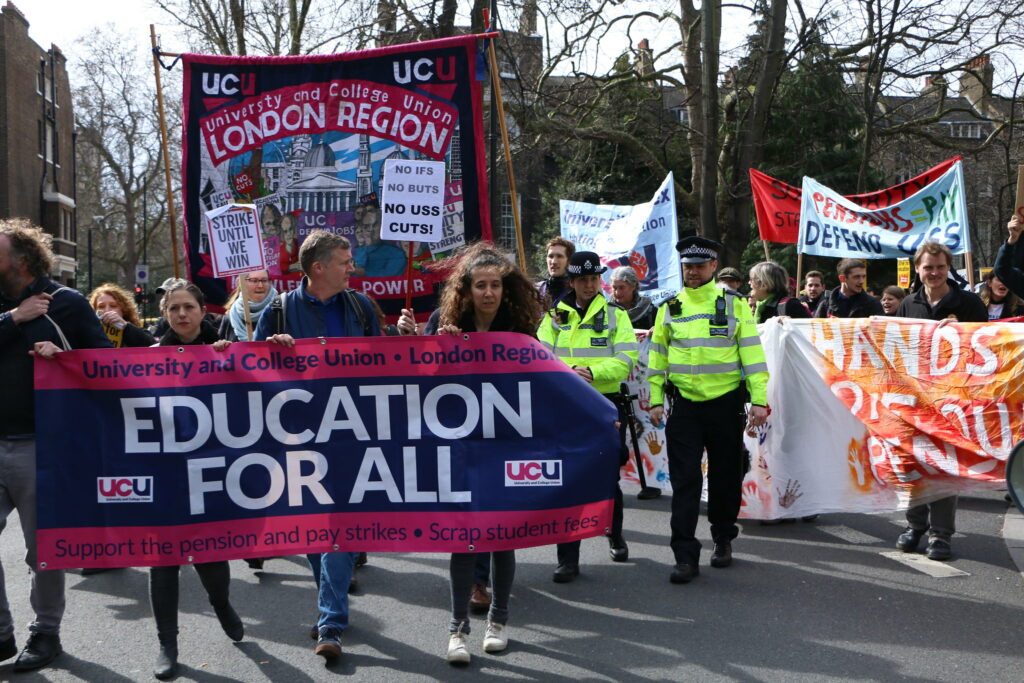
124, 489
533, 473
424, 70
229, 84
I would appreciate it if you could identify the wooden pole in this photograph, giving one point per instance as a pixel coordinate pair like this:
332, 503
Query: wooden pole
166, 154
969, 262
408, 278
243, 291
799, 271
496, 85
767, 255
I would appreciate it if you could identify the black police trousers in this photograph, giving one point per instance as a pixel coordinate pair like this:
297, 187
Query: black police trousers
569, 553
716, 425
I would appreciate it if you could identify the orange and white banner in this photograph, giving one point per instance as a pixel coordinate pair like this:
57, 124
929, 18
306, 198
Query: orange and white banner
880, 413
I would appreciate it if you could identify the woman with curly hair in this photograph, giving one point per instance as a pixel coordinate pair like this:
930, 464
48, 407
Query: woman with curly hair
485, 292
116, 310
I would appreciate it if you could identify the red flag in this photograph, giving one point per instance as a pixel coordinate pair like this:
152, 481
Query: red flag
778, 204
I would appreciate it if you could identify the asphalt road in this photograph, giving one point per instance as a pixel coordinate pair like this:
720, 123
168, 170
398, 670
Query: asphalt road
816, 601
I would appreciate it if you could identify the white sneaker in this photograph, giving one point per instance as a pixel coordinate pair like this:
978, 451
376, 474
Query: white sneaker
458, 653
495, 637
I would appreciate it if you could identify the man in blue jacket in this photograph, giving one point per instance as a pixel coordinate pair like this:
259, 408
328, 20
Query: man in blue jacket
323, 306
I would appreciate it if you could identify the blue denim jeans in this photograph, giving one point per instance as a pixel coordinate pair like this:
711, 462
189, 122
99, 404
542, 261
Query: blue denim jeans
333, 574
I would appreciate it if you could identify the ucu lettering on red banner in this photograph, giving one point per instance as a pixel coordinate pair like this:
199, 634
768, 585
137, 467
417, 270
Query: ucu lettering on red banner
124, 489
533, 473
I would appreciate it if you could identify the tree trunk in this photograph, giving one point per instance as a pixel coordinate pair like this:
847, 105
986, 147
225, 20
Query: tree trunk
711, 26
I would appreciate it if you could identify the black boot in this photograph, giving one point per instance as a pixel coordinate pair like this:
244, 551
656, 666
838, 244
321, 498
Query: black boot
166, 666
230, 622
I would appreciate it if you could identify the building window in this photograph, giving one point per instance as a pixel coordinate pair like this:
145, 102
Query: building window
903, 176
507, 234
49, 142
965, 130
682, 115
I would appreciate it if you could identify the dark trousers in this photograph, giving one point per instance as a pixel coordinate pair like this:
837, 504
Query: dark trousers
938, 516
569, 553
163, 594
716, 425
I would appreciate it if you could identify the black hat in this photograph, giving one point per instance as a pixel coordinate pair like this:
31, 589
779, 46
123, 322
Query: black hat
696, 249
585, 263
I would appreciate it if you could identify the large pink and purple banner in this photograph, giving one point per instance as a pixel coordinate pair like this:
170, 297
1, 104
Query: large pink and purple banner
168, 455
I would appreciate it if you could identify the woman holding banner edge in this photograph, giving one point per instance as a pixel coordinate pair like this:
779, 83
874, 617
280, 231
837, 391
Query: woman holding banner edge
486, 292
183, 308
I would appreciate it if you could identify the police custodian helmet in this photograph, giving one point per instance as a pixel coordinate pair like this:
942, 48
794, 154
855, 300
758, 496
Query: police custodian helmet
585, 263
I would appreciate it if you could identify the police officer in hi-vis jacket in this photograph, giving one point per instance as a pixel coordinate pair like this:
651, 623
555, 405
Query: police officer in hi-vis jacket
704, 346
595, 338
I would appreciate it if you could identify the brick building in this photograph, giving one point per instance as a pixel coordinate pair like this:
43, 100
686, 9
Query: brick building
37, 140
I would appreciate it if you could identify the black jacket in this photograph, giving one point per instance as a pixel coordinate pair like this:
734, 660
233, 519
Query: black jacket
812, 305
1009, 274
80, 326
966, 307
861, 305
794, 308
207, 335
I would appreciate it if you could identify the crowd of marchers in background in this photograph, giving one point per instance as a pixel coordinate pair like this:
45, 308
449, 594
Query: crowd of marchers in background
706, 369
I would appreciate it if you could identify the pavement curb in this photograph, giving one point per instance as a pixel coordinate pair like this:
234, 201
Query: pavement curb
1013, 535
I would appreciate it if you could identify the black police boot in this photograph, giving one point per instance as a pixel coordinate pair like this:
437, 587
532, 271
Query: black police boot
617, 548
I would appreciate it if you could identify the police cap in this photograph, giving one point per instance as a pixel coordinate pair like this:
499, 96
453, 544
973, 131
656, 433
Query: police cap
695, 249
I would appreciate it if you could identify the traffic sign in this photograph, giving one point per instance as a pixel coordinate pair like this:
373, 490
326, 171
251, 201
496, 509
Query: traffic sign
142, 274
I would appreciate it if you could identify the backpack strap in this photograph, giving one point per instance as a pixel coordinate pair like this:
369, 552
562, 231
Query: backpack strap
277, 310
360, 311
65, 344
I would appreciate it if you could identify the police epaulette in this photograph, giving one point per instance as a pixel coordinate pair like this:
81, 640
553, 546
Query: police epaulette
732, 291
613, 304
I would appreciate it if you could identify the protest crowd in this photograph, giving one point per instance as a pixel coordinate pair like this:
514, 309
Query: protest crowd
706, 373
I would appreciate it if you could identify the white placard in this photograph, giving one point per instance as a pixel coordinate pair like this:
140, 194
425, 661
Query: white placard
412, 201
236, 245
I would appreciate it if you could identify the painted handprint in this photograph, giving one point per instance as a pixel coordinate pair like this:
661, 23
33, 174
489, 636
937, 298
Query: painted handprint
791, 494
653, 443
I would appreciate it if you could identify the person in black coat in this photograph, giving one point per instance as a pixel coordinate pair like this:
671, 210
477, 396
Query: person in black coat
1001, 302
116, 310
1006, 268
769, 287
938, 298
183, 308
849, 300
626, 292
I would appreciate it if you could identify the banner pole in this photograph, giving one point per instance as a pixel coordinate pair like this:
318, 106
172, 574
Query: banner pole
969, 262
767, 255
496, 86
799, 270
243, 291
166, 153
408, 278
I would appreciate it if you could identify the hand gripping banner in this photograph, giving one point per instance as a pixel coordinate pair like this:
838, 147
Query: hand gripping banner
305, 140
168, 455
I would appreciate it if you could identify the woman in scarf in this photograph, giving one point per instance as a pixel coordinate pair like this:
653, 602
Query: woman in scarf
261, 293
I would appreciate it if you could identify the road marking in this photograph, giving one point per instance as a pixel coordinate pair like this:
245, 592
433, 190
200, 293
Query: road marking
845, 533
938, 570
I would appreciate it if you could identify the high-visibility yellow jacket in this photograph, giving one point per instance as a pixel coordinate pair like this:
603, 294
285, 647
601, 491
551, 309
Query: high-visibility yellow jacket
602, 340
705, 342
